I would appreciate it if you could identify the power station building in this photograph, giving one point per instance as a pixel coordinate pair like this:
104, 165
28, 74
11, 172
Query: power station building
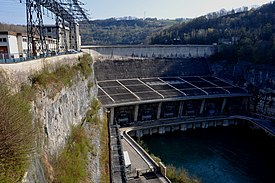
159, 90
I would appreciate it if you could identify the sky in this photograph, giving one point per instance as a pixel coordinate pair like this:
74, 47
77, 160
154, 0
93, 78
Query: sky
12, 11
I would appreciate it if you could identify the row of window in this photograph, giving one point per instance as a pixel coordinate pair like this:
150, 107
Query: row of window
3, 40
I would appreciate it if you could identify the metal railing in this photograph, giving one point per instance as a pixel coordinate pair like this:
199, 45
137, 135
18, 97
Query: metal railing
16, 58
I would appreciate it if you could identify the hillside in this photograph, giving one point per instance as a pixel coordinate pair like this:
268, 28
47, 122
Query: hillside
122, 31
247, 35
12, 27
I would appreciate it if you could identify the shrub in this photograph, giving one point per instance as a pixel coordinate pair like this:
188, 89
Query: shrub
104, 152
16, 136
180, 175
92, 116
85, 65
70, 166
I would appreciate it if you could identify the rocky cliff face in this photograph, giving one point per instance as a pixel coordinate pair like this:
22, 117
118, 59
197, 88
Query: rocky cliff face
54, 118
259, 79
54, 112
58, 114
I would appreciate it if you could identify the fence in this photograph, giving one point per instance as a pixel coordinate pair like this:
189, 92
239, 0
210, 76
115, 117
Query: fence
16, 58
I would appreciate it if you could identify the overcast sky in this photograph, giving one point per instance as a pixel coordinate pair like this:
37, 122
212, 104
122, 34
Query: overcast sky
12, 11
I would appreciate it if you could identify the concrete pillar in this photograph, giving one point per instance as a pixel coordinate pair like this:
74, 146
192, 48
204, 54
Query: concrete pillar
202, 106
136, 113
180, 109
139, 133
161, 130
183, 127
223, 105
112, 114
245, 104
159, 110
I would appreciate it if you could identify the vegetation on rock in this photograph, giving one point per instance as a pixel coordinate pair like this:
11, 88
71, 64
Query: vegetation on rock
17, 132
180, 175
70, 166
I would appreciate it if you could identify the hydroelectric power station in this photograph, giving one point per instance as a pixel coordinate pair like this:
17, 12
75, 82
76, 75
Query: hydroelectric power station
150, 89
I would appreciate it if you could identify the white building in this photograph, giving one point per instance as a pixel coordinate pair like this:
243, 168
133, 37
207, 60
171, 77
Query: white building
12, 45
15, 45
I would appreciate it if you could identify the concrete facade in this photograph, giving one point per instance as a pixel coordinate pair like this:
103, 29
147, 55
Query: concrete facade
156, 51
177, 110
12, 45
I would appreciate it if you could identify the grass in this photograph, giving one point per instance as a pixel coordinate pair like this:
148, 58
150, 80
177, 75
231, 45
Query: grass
62, 76
104, 152
92, 113
101, 124
85, 65
70, 166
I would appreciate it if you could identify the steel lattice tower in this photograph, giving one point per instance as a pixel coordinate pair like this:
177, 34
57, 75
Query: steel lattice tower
36, 39
67, 12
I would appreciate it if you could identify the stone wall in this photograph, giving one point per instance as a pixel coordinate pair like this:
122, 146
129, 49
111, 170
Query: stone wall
159, 51
110, 69
17, 73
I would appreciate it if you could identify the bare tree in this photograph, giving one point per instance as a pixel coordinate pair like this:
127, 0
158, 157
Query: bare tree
16, 135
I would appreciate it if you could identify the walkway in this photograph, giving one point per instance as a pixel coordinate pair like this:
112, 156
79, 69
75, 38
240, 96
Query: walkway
264, 124
140, 162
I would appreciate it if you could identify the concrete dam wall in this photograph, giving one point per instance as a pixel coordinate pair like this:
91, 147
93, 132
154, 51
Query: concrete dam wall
144, 68
156, 51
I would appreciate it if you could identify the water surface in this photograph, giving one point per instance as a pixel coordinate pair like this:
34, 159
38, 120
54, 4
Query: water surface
218, 155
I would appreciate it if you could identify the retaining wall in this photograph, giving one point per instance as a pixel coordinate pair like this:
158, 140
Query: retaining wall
160, 51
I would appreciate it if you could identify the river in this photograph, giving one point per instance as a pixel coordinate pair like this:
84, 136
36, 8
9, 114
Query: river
235, 154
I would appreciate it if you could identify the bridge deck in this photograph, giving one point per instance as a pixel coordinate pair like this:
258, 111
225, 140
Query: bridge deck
127, 91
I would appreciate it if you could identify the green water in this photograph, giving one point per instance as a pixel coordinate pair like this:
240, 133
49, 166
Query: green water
218, 155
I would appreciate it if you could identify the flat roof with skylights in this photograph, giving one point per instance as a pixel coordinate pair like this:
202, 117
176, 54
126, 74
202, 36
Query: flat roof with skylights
123, 92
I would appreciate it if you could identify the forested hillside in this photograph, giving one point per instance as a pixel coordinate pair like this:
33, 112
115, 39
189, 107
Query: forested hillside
12, 27
122, 31
247, 35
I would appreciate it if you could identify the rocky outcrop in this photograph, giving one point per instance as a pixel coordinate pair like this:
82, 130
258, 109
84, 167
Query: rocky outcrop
55, 117
54, 112
259, 79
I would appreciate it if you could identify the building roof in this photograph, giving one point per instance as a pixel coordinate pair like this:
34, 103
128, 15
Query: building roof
5, 32
147, 90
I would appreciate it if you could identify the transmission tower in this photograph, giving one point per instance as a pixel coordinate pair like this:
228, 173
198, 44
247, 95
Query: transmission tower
67, 12
35, 28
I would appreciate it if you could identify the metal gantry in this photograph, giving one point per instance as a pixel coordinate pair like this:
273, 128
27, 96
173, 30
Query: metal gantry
67, 12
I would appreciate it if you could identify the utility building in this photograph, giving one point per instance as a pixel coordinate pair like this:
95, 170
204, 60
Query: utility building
12, 45
173, 89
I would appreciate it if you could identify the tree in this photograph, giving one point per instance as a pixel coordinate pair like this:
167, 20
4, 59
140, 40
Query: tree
16, 136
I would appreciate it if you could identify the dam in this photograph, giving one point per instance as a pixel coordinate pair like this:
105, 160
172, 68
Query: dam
155, 95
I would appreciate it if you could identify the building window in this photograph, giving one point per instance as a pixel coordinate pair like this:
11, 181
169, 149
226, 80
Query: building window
3, 40
49, 29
